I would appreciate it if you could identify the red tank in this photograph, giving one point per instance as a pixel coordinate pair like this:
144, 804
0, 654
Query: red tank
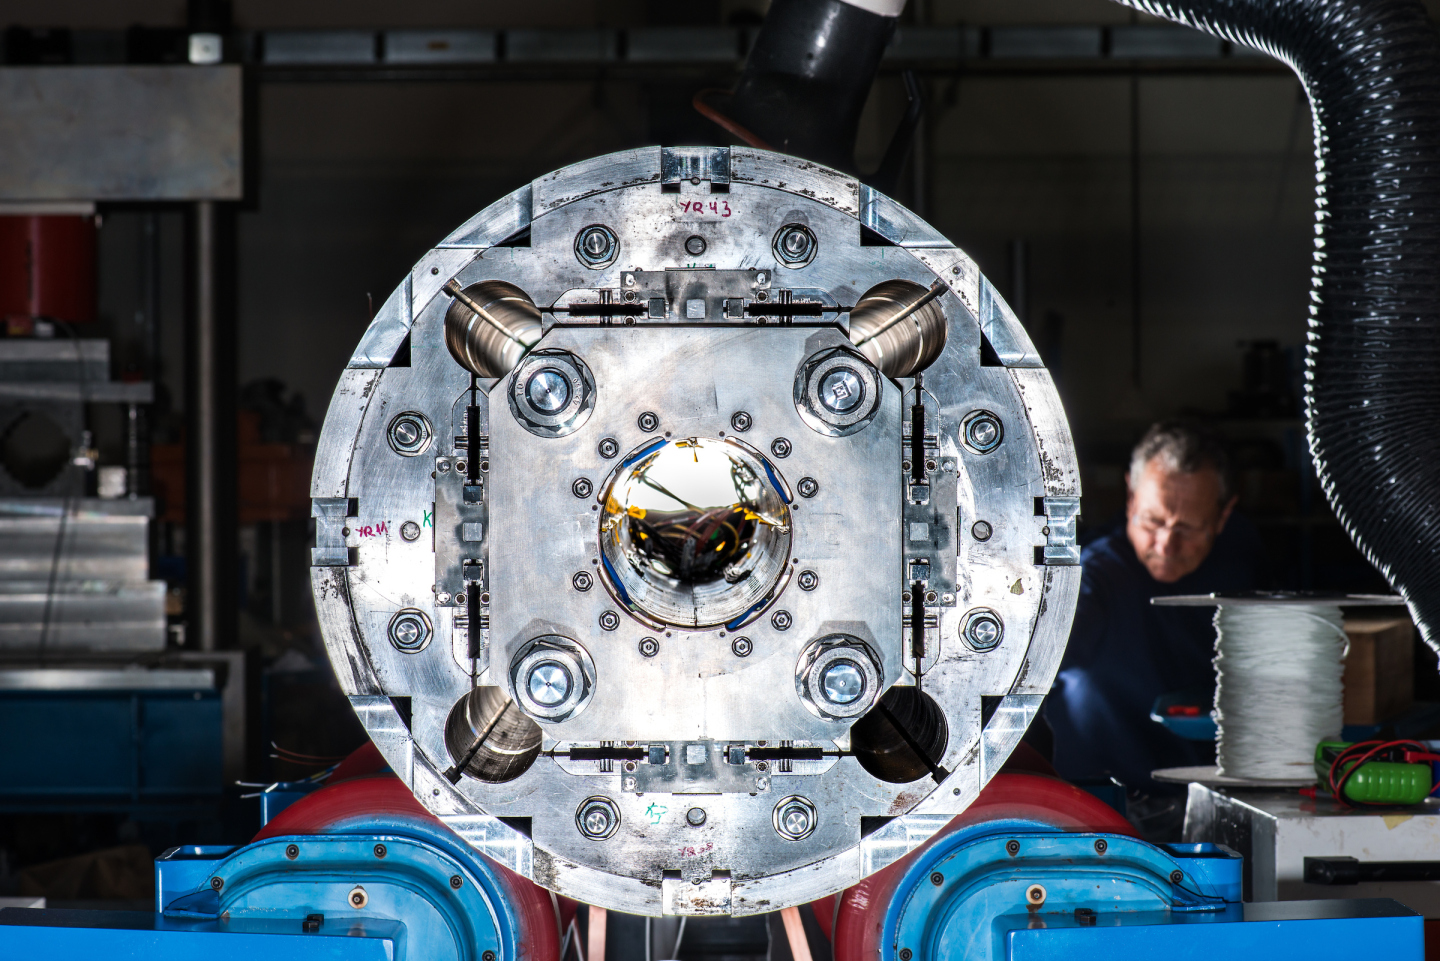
47, 268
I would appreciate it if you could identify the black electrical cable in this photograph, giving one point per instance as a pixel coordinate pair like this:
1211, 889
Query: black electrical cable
1371, 69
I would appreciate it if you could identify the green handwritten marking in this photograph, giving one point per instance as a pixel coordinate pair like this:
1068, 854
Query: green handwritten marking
429, 519
655, 812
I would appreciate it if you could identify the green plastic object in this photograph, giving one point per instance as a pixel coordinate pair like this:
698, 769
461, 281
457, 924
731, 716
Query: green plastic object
1376, 782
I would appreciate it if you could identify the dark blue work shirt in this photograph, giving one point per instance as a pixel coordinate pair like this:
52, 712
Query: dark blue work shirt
1124, 652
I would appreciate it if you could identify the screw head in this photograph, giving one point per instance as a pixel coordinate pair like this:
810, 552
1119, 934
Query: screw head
410, 531
649, 647
841, 390
808, 580
982, 431
1177, 876
597, 818
1012, 847
741, 647
358, 898
807, 487
741, 421
217, 883
794, 818
582, 581
596, 246
1101, 846
981, 530
937, 879
292, 851
488, 956
1035, 894
794, 245
608, 448
781, 620
381, 850
695, 245
456, 881
906, 954
648, 421
609, 620
547, 391
983, 630
842, 682
549, 683
695, 817
582, 487
409, 631
409, 434
780, 447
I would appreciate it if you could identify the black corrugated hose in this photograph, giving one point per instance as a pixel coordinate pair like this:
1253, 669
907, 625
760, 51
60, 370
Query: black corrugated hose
1372, 71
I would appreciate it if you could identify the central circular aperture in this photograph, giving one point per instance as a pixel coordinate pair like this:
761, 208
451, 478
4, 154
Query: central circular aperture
695, 532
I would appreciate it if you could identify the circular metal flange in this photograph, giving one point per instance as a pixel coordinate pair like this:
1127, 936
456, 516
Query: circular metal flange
838, 677
552, 393
553, 678
837, 392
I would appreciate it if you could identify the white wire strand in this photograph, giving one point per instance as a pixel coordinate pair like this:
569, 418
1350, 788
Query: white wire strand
1278, 689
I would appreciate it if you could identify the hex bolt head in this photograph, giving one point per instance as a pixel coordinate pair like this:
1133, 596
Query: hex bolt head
983, 630
381, 850
597, 818
609, 620
807, 487
582, 581
781, 620
1177, 876
982, 431
794, 818
292, 851
780, 447
409, 434
1035, 895
409, 631
608, 448
648, 421
649, 647
695, 817
410, 531
1012, 847
808, 580
695, 245
741, 421
794, 245
596, 246
937, 879
981, 530
456, 882
582, 487
741, 647
1101, 846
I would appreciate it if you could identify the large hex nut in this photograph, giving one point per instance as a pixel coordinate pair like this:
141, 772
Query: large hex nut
546, 375
838, 677
553, 678
837, 392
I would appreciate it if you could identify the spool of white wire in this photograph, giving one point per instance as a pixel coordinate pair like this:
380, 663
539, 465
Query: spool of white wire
1278, 687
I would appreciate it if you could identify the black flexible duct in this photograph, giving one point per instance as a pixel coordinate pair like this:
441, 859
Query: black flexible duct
1372, 71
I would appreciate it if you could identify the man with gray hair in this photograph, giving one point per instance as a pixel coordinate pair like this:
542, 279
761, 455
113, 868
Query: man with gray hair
1179, 538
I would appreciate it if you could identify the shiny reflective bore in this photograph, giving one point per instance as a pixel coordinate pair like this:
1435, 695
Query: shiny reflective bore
696, 532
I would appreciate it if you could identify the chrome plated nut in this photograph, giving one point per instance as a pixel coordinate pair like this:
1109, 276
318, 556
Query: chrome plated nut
409, 630
409, 434
808, 580
582, 487
551, 393
794, 818
837, 392
981, 431
982, 629
597, 818
807, 487
794, 245
553, 678
596, 246
741, 421
648, 421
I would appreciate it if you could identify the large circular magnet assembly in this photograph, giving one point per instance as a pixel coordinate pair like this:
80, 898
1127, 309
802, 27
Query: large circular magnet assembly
766, 532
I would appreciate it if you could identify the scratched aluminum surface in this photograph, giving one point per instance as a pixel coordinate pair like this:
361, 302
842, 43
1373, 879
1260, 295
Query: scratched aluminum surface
694, 701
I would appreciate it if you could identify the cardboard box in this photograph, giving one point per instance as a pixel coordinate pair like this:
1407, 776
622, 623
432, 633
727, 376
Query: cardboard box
1379, 670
